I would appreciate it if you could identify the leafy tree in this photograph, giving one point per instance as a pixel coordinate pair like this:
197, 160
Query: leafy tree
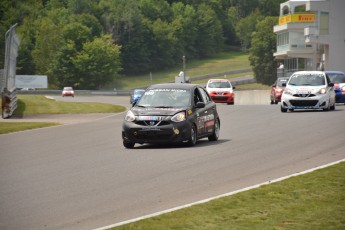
185, 28
270, 7
153, 34
261, 52
164, 44
97, 64
156, 9
137, 52
210, 34
23, 13
246, 26
63, 68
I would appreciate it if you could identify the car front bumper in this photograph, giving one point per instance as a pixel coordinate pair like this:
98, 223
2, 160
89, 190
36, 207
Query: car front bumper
229, 98
315, 102
167, 133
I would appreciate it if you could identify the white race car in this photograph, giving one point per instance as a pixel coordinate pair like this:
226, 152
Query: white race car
308, 90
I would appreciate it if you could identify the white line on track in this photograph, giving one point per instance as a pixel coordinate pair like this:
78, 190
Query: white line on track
216, 197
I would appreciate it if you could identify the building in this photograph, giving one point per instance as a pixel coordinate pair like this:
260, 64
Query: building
310, 36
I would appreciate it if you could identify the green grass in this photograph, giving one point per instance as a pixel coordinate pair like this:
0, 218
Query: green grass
221, 62
9, 127
36, 104
313, 201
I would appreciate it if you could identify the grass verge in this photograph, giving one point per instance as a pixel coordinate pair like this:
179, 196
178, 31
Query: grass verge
37, 104
311, 201
9, 127
221, 62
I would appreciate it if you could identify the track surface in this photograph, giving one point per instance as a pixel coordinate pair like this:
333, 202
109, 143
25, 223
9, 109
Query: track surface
79, 176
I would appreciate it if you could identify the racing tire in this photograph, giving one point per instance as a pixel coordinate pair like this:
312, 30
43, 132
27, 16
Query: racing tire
332, 107
128, 145
282, 109
193, 136
215, 134
328, 107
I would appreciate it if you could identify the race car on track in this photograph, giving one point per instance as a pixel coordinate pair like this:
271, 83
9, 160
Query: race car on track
68, 91
338, 78
277, 90
308, 90
171, 113
221, 91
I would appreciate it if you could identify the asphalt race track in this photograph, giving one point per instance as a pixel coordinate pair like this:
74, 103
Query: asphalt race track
79, 176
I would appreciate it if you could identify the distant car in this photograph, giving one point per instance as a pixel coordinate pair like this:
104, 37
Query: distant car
27, 89
221, 91
277, 89
338, 78
171, 113
308, 90
135, 96
68, 91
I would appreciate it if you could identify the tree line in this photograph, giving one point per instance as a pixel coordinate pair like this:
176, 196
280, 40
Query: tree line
88, 43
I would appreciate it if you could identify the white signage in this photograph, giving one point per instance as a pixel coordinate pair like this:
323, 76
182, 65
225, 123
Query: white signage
32, 81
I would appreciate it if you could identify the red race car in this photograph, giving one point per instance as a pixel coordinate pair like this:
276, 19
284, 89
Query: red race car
221, 91
68, 91
277, 89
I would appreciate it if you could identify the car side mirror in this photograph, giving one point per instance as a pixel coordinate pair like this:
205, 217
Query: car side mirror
284, 84
331, 84
234, 87
200, 104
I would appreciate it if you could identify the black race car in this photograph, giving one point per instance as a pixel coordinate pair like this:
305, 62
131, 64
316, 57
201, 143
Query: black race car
171, 113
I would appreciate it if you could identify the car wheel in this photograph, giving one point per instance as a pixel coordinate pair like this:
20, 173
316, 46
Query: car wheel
333, 107
215, 134
193, 136
328, 107
128, 145
282, 109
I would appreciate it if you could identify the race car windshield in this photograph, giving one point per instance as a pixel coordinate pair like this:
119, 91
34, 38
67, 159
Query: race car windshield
281, 81
165, 98
219, 84
337, 78
307, 80
139, 92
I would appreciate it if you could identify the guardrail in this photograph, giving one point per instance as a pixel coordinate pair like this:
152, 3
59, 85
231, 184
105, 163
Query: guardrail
240, 81
9, 103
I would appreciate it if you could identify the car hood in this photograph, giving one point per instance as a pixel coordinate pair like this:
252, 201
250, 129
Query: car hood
153, 111
220, 89
304, 89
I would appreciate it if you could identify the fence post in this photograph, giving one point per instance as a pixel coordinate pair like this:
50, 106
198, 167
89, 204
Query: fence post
7, 83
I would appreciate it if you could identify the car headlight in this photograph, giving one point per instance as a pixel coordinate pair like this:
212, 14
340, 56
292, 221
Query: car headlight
343, 88
323, 90
287, 91
130, 116
178, 117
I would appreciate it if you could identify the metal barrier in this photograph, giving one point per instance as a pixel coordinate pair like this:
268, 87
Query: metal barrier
7, 82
